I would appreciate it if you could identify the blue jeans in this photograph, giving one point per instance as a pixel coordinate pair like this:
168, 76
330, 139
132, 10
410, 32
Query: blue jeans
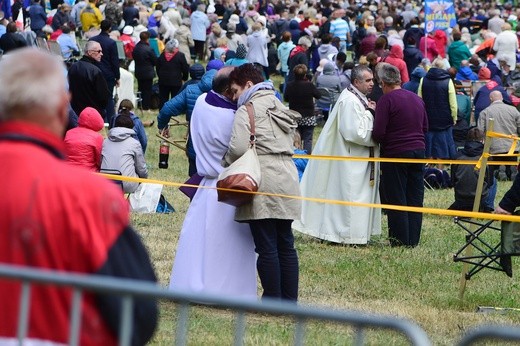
402, 184
277, 262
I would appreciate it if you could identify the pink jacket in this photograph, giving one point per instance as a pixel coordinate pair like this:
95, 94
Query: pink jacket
83, 144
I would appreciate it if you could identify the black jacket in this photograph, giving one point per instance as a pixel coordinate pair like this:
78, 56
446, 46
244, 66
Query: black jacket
110, 60
174, 71
464, 178
435, 88
145, 60
87, 86
511, 199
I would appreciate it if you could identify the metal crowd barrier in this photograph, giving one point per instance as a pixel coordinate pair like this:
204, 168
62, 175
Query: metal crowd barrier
131, 289
494, 332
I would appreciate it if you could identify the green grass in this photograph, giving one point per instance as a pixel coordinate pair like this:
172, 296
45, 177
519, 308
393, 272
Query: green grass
421, 284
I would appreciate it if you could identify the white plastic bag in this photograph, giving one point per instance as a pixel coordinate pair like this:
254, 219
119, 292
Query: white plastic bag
145, 198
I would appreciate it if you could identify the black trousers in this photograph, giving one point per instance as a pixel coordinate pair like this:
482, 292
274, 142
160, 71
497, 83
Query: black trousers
167, 92
402, 184
199, 49
145, 87
277, 262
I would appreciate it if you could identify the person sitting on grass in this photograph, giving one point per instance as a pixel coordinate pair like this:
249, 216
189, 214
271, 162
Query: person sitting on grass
126, 109
464, 178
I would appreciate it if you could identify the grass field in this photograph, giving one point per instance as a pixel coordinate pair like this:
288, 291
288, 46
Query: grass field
421, 284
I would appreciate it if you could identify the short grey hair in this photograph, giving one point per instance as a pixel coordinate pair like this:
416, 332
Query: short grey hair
389, 74
90, 45
36, 82
357, 72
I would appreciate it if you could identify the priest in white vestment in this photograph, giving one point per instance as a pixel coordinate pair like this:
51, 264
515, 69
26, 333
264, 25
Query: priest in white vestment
215, 254
347, 132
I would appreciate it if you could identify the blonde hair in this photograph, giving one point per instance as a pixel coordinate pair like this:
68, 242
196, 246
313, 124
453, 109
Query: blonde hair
297, 139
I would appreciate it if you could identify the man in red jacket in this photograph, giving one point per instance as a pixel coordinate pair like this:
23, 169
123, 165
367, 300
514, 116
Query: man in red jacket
57, 216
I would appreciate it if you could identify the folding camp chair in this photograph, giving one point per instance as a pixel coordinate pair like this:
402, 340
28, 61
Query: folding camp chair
114, 172
488, 255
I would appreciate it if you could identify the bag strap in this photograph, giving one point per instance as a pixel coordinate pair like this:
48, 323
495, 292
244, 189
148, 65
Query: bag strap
251, 113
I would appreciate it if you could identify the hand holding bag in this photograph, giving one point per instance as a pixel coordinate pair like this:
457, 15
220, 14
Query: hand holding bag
243, 174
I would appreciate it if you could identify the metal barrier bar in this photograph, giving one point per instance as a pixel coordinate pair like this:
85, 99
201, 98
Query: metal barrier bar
75, 320
130, 289
491, 332
125, 330
23, 313
240, 328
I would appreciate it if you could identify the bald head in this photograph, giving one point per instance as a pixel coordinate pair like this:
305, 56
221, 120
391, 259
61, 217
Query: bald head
495, 96
221, 80
36, 91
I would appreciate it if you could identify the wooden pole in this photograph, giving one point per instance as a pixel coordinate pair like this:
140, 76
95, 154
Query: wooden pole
476, 205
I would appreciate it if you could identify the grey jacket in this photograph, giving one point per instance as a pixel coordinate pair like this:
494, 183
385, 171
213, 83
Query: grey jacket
122, 152
506, 121
275, 126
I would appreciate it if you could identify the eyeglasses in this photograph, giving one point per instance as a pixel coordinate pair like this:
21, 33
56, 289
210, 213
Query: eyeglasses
96, 51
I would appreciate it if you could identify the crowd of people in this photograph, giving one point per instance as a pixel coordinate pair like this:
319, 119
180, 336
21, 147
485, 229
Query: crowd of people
367, 71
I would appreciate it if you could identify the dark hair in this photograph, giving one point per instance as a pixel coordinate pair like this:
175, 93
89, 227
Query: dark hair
300, 71
457, 36
244, 73
326, 38
474, 134
105, 25
145, 35
341, 57
381, 42
124, 121
11, 27
125, 107
286, 36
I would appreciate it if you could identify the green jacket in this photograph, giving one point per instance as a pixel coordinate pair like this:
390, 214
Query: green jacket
458, 51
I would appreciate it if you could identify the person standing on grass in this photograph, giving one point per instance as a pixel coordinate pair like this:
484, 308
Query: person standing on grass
88, 87
109, 65
347, 132
208, 261
172, 69
60, 217
145, 61
300, 94
269, 217
400, 125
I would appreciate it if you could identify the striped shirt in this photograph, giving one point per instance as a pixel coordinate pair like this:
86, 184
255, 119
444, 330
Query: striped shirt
339, 28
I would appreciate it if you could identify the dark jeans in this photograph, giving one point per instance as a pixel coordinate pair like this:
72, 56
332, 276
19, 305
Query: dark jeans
110, 110
277, 262
402, 184
509, 170
306, 133
145, 87
199, 50
166, 92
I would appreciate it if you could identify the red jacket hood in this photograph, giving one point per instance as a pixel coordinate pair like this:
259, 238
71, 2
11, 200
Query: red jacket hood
91, 119
396, 51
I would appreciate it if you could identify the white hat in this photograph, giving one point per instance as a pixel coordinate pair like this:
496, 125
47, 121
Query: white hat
234, 19
323, 62
128, 30
262, 20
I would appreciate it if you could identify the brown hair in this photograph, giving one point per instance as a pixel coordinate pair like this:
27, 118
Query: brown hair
245, 73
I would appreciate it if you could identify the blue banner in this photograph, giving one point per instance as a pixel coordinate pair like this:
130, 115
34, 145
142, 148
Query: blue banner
439, 15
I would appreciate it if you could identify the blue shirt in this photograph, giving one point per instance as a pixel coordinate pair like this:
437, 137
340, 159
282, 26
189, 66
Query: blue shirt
67, 45
339, 28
